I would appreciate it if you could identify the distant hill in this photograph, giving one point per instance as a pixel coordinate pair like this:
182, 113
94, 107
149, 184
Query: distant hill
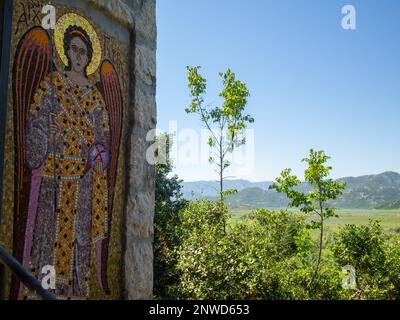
391, 205
380, 191
370, 192
207, 189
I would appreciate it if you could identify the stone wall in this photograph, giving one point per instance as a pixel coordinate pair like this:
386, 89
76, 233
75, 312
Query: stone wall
143, 117
140, 17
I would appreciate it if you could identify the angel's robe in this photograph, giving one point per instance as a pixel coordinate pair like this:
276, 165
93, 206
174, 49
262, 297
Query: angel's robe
67, 214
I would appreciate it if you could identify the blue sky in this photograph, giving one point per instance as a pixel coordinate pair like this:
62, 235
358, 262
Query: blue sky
312, 84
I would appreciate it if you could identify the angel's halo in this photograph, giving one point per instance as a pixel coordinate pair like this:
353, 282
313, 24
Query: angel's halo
73, 19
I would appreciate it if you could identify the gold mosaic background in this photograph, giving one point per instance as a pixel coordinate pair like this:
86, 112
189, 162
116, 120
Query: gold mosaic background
26, 15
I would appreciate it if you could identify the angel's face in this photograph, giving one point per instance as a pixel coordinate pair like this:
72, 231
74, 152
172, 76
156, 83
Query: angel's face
78, 55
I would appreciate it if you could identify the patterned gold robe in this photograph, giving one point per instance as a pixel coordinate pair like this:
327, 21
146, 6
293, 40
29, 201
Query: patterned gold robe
68, 196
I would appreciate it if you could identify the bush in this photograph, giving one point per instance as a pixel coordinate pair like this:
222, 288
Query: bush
263, 258
269, 256
167, 206
283, 230
375, 260
393, 267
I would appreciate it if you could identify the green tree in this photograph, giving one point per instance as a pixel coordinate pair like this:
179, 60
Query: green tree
316, 202
225, 123
168, 203
375, 260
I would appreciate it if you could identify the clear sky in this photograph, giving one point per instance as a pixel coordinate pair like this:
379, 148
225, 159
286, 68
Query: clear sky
312, 84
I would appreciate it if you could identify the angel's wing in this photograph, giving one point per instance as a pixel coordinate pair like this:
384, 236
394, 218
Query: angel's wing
112, 94
31, 65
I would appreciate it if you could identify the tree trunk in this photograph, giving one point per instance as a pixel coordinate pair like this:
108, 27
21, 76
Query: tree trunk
221, 180
321, 239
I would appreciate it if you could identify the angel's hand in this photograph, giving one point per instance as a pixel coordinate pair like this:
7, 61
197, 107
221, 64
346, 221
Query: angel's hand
98, 166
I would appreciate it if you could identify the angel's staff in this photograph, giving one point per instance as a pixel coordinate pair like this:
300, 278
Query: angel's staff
52, 123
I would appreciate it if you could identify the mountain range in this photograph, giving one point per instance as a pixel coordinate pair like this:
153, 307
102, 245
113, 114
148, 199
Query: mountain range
381, 191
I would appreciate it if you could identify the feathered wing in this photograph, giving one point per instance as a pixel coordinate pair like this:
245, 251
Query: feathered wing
112, 94
31, 65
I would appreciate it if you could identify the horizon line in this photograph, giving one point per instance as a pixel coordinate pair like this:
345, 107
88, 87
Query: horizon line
267, 180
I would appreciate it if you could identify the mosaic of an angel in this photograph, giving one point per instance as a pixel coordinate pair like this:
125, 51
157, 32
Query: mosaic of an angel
68, 135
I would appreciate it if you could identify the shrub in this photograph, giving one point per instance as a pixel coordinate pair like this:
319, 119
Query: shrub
393, 267
167, 206
375, 260
262, 258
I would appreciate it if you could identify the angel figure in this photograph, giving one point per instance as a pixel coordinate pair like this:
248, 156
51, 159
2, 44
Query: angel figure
68, 134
